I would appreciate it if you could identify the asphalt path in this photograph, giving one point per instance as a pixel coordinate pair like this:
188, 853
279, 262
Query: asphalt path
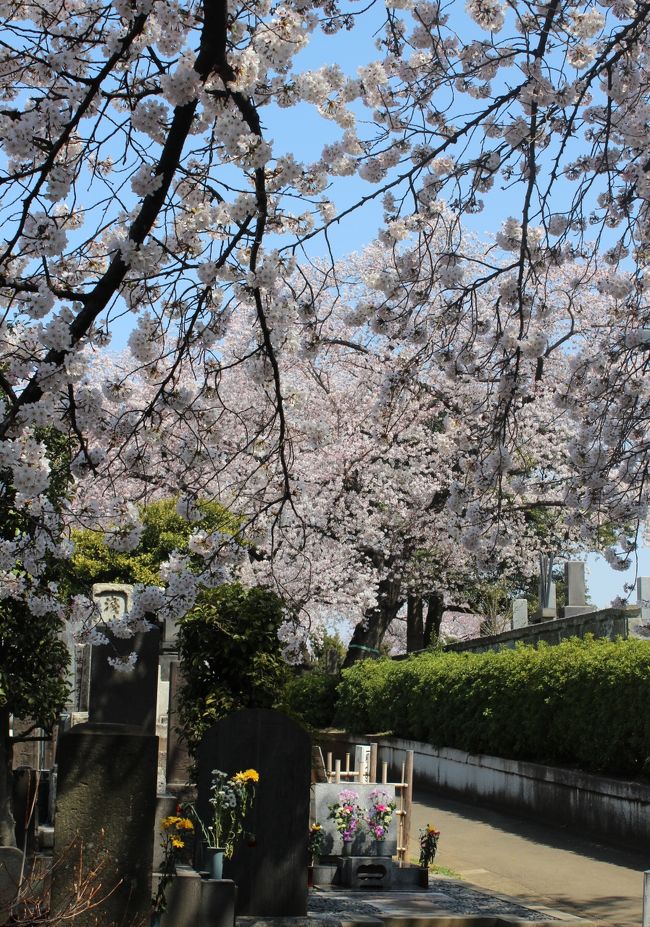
538, 863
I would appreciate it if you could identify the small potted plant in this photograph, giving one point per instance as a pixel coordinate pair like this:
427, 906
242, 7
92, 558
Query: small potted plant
379, 817
348, 817
174, 831
429, 836
314, 849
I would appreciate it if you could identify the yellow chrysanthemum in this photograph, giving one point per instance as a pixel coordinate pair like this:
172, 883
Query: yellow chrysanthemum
185, 824
247, 775
170, 821
177, 843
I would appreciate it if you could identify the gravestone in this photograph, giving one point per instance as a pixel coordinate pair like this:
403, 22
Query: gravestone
547, 598
270, 868
326, 794
113, 601
119, 697
105, 810
643, 596
576, 590
519, 613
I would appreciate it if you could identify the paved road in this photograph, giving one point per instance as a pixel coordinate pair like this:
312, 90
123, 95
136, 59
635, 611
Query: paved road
548, 865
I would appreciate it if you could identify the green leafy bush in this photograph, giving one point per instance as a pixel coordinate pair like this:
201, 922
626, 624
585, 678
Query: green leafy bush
312, 698
231, 656
583, 703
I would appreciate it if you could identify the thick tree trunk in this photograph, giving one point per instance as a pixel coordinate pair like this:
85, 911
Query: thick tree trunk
7, 824
414, 624
369, 633
435, 609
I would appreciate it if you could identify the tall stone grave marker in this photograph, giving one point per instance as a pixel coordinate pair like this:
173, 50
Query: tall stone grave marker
118, 697
519, 613
269, 869
643, 596
105, 810
576, 590
547, 597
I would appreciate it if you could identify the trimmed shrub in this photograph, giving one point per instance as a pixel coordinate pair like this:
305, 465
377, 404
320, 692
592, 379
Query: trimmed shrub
311, 698
583, 703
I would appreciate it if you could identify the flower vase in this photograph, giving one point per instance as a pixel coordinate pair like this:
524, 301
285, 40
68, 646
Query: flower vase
380, 847
347, 848
423, 877
310, 876
156, 918
213, 862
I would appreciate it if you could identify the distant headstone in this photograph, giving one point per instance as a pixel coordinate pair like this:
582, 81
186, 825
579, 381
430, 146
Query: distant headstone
269, 869
547, 600
643, 596
519, 613
364, 842
105, 810
576, 589
119, 697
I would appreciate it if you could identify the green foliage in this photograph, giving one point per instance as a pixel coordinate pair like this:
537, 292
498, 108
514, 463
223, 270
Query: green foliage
231, 656
164, 531
33, 664
311, 697
583, 703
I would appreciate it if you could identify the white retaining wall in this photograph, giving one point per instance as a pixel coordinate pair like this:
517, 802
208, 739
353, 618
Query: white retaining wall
612, 808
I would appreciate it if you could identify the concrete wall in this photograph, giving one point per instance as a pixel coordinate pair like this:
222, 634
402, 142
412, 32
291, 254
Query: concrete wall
615, 809
609, 622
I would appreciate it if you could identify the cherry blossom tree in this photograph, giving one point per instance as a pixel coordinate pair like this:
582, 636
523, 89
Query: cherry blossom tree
140, 181
398, 493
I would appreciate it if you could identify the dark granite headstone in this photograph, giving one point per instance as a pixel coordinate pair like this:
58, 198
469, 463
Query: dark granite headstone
105, 810
270, 870
118, 697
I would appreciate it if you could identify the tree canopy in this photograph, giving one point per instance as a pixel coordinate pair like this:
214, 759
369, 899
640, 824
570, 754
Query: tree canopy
150, 182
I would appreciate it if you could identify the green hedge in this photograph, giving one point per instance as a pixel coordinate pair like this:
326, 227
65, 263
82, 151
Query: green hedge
583, 703
312, 698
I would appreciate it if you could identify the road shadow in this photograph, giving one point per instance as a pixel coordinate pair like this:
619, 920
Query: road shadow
561, 837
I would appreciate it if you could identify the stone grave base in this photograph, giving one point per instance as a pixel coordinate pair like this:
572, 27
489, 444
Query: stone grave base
367, 872
196, 902
332, 871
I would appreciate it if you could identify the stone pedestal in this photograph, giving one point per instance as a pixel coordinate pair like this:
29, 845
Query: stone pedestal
105, 811
196, 902
369, 872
